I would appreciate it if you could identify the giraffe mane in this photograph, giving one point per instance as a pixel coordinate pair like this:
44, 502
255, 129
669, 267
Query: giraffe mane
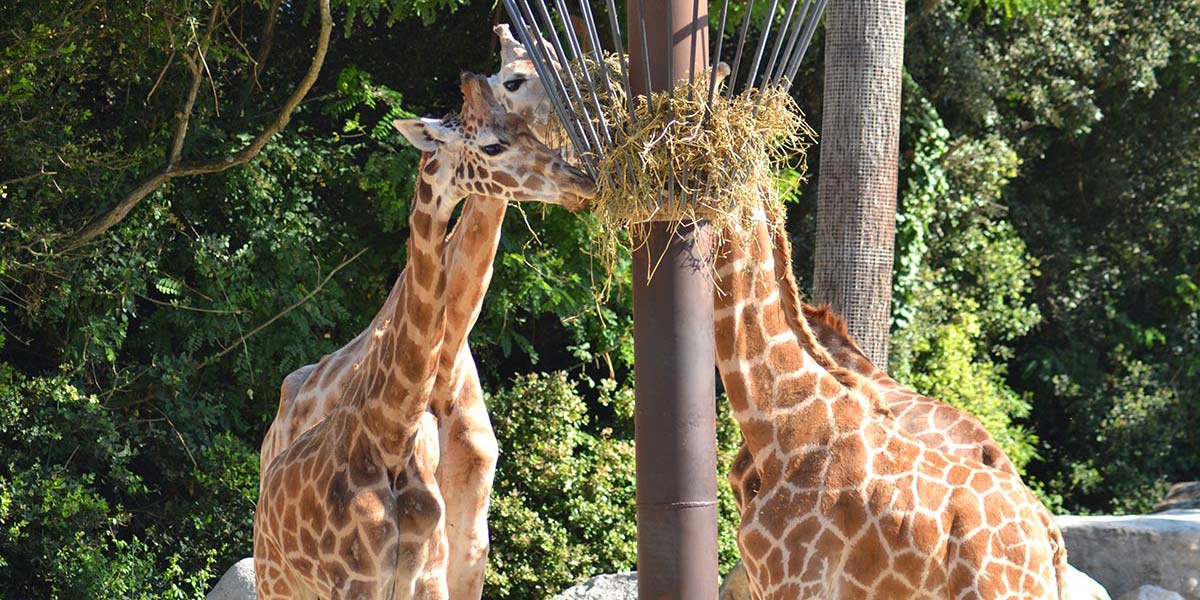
789, 297
827, 316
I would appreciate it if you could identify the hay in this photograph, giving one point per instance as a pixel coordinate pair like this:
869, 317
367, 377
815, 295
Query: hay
679, 160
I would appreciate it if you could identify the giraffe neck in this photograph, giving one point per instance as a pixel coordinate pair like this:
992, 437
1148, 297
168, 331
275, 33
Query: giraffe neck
777, 388
391, 389
822, 332
469, 258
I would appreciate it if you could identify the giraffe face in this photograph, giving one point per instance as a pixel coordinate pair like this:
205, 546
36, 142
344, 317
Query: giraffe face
517, 85
520, 89
491, 152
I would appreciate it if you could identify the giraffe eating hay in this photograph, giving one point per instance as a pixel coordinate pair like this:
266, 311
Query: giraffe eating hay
916, 473
351, 507
934, 423
850, 505
825, 336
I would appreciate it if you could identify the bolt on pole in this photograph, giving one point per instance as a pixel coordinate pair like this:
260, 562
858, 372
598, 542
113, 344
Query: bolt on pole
675, 418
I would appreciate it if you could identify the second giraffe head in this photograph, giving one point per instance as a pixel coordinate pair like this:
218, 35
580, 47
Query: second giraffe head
487, 151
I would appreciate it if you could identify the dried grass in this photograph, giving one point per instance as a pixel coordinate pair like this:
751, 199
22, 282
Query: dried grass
678, 159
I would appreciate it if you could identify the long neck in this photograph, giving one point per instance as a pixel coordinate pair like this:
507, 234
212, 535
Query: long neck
392, 388
776, 387
469, 258
822, 332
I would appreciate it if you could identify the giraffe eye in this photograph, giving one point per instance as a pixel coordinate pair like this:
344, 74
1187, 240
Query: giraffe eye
493, 149
513, 85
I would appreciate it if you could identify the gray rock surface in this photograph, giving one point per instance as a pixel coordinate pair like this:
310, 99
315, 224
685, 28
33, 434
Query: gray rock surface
236, 584
1151, 592
1079, 586
620, 586
1082, 587
736, 586
1123, 553
1185, 494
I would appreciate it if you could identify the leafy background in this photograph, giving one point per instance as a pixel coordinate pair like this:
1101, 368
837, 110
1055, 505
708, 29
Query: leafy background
1047, 272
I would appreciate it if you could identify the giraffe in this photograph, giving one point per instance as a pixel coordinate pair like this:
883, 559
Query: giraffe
849, 504
934, 423
937, 471
467, 443
352, 507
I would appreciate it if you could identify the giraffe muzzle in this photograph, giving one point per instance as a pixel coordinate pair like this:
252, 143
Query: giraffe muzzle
578, 194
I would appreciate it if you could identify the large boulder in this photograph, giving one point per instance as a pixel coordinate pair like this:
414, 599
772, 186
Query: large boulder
736, 585
1079, 586
620, 586
236, 584
1123, 553
1151, 592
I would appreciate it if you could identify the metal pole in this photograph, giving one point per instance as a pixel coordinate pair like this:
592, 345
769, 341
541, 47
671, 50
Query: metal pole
675, 431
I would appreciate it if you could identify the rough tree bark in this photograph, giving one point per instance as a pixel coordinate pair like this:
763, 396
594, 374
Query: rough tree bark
174, 168
860, 131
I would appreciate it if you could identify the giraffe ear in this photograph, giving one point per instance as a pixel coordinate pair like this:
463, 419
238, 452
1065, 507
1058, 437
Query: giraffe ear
426, 135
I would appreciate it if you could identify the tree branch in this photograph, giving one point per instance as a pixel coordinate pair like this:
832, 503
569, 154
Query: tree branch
104, 222
185, 113
266, 40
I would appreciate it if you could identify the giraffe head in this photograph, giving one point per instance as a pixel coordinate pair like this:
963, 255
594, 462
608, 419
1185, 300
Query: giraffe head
517, 84
488, 151
519, 87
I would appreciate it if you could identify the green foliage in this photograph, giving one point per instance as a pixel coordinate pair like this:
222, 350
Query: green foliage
1094, 99
962, 276
563, 499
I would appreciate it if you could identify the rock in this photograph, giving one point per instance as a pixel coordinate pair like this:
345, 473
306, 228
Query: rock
236, 584
1082, 587
1151, 592
736, 585
1183, 495
1123, 553
1079, 585
621, 586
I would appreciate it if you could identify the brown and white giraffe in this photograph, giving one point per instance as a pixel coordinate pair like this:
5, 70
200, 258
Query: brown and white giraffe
969, 439
352, 507
849, 504
934, 423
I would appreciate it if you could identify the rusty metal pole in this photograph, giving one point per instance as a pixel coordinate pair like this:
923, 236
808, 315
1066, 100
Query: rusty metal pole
675, 416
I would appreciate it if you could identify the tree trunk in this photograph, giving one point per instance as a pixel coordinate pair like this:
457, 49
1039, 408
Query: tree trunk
856, 210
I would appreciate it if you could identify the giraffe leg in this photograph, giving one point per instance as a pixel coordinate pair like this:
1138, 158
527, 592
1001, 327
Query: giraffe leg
468, 466
423, 556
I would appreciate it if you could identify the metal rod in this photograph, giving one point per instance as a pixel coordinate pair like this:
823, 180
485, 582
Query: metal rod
549, 77
737, 56
616, 31
641, 6
594, 37
805, 39
712, 78
762, 43
787, 52
577, 48
787, 24
692, 58
565, 63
